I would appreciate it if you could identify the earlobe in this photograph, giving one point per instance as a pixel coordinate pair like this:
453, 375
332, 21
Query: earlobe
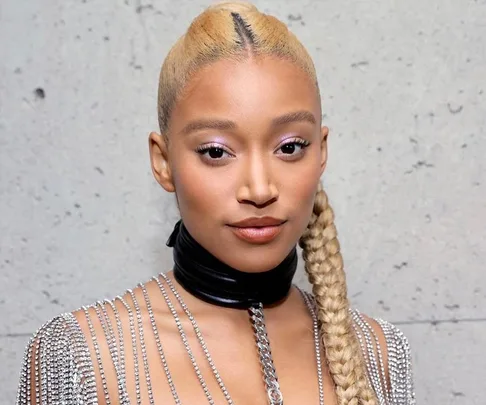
324, 135
159, 159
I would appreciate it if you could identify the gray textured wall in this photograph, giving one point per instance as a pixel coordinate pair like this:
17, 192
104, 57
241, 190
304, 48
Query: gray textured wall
403, 85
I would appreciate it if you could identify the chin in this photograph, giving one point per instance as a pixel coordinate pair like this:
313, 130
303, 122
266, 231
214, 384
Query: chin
257, 259
254, 257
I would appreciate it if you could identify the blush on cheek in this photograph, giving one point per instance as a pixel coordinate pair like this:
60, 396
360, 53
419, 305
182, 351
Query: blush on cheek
305, 191
198, 192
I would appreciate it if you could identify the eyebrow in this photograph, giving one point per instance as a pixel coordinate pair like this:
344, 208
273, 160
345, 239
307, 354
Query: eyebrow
296, 116
226, 125
197, 125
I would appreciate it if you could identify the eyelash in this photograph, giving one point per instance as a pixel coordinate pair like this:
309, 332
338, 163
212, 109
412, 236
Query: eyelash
297, 141
203, 149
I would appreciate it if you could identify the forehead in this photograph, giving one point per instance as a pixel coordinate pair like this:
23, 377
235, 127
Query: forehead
255, 89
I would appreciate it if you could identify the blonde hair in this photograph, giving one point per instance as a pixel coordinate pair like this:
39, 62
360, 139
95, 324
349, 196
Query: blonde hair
225, 30
238, 31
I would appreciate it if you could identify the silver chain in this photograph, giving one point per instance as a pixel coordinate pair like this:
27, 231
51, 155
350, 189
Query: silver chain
257, 318
200, 338
270, 378
311, 305
185, 341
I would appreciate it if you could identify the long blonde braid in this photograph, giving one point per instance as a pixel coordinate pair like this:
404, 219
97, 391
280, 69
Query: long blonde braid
324, 267
237, 31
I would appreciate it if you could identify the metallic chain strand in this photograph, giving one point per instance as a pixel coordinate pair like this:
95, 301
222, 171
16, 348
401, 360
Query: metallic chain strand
376, 371
310, 303
110, 340
272, 386
133, 336
200, 338
121, 353
116, 350
183, 336
159, 346
143, 348
98, 356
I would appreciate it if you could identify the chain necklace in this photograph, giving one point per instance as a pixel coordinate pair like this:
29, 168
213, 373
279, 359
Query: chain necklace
257, 319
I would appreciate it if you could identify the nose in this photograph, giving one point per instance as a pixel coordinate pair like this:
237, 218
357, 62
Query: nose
258, 187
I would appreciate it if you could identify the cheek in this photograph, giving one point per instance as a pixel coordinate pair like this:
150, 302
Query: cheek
199, 190
301, 187
304, 194
303, 176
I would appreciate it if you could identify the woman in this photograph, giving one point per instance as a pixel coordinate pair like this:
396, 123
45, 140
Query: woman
242, 148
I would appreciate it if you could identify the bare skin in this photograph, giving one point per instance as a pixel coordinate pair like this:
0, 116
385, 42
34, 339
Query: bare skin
234, 107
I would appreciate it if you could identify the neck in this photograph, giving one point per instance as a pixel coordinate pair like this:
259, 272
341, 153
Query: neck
209, 279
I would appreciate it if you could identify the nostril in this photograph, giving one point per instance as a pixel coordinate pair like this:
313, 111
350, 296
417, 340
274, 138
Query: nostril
259, 204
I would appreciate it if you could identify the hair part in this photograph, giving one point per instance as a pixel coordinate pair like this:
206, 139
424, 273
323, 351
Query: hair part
247, 39
239, 31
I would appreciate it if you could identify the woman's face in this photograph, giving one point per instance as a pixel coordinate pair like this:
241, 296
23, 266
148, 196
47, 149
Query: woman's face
244, 143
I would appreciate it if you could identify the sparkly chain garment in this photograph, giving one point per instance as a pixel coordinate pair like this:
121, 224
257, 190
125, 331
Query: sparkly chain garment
64, 365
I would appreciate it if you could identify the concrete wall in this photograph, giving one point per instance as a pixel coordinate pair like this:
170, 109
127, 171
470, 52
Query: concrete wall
404, 92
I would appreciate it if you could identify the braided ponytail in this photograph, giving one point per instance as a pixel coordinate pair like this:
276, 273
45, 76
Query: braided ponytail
324, 267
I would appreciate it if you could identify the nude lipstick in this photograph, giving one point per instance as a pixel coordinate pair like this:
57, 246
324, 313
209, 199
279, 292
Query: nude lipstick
257, 230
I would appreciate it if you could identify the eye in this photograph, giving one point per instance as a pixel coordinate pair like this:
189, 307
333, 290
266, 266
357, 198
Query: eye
213, 152
293, 148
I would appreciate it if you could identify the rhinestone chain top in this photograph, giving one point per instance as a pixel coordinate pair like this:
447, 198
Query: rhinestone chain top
60, 368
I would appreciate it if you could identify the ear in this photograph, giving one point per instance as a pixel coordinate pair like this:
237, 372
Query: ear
324, 135
159, 159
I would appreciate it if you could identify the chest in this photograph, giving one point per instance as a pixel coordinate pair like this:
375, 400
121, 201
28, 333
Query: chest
225, 369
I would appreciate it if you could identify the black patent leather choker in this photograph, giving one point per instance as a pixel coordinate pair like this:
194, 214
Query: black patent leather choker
206, 277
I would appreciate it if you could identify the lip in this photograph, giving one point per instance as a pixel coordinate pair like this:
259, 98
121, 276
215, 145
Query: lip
258, 230
258, 222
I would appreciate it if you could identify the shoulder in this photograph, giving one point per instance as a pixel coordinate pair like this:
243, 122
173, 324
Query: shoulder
387, 356
103, 320
60, 334
56, 361
83, 351
61, 355
384, 336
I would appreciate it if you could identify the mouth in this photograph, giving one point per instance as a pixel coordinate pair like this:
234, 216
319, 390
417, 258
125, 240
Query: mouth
258, 230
